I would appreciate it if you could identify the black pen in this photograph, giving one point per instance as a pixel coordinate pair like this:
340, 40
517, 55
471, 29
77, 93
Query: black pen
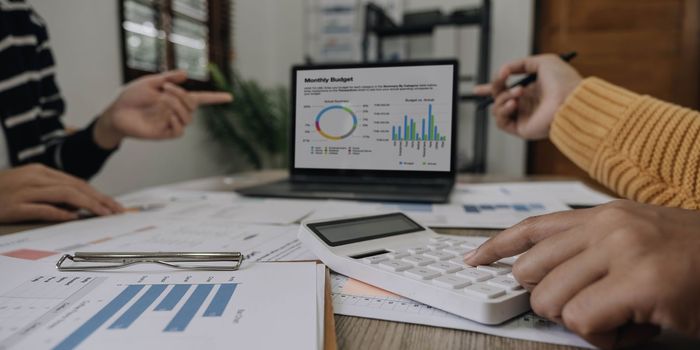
529, 79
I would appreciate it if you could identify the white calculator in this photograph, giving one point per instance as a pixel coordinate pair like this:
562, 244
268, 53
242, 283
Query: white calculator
395, 253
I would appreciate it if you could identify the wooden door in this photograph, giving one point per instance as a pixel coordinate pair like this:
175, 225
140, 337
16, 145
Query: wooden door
648, 46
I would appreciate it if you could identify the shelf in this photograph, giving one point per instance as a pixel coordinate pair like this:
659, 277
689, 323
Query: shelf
424, 29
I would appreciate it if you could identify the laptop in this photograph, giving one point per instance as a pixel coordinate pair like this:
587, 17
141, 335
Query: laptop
376, 132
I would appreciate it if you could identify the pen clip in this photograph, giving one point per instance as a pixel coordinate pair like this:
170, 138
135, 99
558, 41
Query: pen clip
118, 260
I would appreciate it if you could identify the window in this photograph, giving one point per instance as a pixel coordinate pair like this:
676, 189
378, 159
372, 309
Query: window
159, 35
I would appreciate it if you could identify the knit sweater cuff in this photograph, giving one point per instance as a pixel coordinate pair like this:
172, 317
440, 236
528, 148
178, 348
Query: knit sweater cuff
586, 118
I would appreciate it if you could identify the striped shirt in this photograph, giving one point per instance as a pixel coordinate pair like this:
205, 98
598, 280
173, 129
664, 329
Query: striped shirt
30, 101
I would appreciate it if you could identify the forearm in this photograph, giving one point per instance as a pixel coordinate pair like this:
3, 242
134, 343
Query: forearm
641, 148
78, 154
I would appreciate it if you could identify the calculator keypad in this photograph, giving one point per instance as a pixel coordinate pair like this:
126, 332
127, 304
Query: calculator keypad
441, 264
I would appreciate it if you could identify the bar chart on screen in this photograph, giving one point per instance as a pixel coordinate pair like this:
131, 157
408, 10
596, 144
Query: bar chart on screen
174, 310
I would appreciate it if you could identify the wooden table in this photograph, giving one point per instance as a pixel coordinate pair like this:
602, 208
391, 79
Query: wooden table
362, 333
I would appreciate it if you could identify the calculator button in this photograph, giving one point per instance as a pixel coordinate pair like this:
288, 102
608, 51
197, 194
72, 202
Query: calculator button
505, 283
437, 245
438, 239
454, 242
451, 281
375, 259
395, 265
398, 254
510, 260
444, 267
457, 250
418, 250
439, 255
474, 275
495, 269
418, 260
484, 291
472, 242
422, 273
469, 245
459, 260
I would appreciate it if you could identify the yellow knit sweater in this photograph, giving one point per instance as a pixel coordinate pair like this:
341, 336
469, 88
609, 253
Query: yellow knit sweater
641, 148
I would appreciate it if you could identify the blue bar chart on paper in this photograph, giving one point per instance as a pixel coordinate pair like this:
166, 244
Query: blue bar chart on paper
145, 307
502, 208
164, 309
141, 305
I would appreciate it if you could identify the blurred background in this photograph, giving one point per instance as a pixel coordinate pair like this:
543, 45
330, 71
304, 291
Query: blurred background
649, 46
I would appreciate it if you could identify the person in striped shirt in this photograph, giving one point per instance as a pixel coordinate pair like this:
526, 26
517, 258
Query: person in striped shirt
618, 273
43, 166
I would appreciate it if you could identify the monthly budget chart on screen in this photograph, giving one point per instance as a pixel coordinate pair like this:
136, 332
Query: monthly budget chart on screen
374, 118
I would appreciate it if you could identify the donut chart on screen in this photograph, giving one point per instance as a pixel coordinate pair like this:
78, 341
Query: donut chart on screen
336, 137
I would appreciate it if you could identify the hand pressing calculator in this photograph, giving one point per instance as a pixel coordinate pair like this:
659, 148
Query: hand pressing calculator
395, 253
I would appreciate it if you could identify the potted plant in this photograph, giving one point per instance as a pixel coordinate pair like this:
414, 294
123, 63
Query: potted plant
254, 126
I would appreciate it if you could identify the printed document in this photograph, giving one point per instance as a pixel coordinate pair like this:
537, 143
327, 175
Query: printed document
354, 298
262, 306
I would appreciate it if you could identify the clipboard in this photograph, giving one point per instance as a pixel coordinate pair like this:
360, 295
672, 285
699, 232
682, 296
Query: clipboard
330, 342
117, 260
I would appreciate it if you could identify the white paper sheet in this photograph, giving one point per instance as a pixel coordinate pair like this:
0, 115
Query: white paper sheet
145, 233
320, 303
569, 192
217, 206
489, 211
499, 210
354, 298
263, 306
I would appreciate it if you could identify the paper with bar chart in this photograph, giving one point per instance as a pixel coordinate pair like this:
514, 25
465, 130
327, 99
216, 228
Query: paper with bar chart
268, 306
384, 118
497, 211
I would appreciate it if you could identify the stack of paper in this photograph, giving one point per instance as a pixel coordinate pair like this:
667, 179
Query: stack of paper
217, 206
169, 309
573, 193
354, 298
151, 306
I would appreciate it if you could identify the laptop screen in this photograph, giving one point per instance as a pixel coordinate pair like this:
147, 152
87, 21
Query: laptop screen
382, 118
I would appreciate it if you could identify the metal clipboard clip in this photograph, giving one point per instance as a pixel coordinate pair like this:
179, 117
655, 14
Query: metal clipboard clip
209, 261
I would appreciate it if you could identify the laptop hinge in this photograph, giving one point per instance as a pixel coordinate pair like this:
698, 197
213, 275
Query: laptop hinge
369, 180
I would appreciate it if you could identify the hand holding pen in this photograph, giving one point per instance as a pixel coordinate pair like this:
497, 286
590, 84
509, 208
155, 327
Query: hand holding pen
527, 108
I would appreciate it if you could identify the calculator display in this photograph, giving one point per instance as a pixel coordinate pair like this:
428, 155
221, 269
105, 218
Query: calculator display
340, 232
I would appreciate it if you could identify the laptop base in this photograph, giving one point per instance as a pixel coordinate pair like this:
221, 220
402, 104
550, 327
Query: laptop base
348, 191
